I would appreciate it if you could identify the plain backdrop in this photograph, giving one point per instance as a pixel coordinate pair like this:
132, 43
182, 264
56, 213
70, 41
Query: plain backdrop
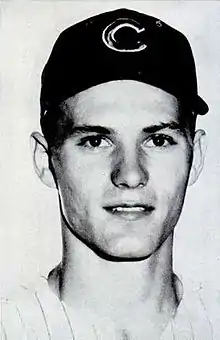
30, 241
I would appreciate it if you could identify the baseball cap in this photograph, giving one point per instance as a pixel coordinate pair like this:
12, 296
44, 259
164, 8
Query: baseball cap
118, 45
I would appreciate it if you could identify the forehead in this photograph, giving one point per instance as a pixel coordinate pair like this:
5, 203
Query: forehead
122, 102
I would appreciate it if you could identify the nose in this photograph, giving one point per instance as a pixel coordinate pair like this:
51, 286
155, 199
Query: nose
128, 172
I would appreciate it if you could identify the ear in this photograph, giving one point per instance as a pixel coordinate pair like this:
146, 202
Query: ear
41, 159
199, 151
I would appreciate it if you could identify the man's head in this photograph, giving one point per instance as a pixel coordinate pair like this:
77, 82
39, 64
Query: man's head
119, 103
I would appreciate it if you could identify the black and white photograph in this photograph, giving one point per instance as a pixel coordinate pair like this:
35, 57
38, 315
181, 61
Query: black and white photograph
109, 172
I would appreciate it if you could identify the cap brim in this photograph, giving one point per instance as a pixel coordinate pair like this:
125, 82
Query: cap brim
200, 106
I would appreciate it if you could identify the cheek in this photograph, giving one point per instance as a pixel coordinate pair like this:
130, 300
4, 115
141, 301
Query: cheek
169, 182
169, 174
80, 180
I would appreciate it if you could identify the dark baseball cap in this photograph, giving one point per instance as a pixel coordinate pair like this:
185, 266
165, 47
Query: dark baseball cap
118, 45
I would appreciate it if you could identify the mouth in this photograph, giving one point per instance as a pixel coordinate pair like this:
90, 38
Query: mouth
130, 212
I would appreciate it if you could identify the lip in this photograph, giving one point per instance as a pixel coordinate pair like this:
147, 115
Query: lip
130, 211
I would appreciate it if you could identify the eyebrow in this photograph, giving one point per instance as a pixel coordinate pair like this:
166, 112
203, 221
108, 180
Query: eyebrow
91, 128
107, 131
161, 126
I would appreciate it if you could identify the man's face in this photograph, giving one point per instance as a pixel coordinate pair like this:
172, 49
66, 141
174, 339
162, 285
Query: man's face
123, 170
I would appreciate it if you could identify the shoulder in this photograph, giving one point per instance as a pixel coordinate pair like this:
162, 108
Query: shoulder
33, 312
14, 323
194, 319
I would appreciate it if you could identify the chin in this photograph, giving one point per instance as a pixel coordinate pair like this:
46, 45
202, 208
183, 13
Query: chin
128, 250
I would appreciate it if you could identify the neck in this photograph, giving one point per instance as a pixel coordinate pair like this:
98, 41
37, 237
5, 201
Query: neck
85, 278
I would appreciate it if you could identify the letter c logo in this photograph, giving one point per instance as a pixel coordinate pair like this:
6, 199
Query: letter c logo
134, 44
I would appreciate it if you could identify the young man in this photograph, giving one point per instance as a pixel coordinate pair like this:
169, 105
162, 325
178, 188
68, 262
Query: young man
119, 104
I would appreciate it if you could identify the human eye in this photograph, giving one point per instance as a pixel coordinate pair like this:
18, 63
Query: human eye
159, 141
95, 142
